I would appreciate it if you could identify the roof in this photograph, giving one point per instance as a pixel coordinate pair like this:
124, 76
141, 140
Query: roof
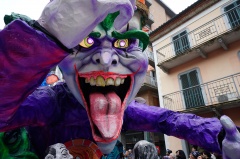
168, 11
182, 17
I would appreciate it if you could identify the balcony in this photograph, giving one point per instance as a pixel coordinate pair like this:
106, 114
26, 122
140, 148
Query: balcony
220, 93
201, 41
142, 7
150, 56
150, 19
148, 3
150, 83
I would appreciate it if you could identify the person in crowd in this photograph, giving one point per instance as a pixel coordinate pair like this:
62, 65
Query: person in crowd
217, 156
206, 155
194, 155
145, 150
58, 151
117, 152
213, 156
194, 148
172, 156
200, 157
128, 154
168, 153
180, 154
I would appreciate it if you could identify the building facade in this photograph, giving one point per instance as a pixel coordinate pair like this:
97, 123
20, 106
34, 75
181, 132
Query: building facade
152, 13
197, 59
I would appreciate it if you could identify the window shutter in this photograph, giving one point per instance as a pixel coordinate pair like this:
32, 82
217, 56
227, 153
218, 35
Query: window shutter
184, 81
193, 78
233, 13
181, 42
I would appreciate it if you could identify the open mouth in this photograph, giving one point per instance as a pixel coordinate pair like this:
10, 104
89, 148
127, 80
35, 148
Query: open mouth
105, 95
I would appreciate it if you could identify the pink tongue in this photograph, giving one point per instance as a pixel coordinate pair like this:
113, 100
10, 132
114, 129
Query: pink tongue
105, 111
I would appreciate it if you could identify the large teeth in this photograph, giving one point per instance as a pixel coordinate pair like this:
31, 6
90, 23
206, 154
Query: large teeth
122, 81
117, 81
92, 81
99, 81
109, 81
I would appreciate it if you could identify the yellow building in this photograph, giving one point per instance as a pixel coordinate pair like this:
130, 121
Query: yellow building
197, 57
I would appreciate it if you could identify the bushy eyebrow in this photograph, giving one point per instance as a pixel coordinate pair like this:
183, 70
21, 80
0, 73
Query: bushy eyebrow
138, 34
95, 34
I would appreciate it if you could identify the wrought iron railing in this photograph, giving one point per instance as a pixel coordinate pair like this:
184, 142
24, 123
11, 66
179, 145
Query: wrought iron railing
150, 16
149, 54
150, 80
149, 1
209, 31
214, 92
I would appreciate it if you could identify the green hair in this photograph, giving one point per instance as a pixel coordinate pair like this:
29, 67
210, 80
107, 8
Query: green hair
107, 23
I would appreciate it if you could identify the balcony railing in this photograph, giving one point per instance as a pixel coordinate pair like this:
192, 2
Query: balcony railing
224, 23
211, 93
150, 80
149, 54
148, 2
150, 16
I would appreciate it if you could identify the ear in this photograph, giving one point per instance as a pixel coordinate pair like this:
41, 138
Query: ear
49, 156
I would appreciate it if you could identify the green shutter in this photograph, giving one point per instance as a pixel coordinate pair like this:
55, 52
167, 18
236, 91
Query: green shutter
192, 92
181, 42
233, 13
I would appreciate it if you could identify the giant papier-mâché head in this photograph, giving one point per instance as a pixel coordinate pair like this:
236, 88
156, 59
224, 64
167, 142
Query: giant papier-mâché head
105, 73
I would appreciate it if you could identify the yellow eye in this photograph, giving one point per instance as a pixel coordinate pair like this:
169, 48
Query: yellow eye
87, 42
121, 43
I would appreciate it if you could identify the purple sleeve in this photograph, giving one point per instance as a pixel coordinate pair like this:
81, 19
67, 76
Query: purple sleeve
26, 56
39, 109
196, 130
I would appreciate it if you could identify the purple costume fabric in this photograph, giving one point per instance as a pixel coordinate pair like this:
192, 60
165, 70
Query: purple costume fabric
52, 114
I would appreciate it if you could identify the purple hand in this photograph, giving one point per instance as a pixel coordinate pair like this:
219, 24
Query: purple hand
125, 14
231, 142
72, 20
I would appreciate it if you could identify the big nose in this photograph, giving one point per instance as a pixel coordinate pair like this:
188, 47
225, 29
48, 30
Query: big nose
106, 58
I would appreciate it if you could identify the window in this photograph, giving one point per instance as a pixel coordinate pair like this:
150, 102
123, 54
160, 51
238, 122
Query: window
192, 92
181, 42
233, 13
153, 78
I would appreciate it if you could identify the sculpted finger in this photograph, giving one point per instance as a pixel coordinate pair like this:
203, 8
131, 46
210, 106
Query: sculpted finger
126, 13
230, 128
133, 2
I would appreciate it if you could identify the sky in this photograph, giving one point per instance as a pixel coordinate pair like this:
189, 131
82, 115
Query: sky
178, 5
33, 8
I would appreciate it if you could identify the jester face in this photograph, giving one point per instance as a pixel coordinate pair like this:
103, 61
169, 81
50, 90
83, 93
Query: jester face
105, 74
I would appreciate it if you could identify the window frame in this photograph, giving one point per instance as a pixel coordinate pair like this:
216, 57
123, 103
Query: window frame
200, 82
226, 18
181, 50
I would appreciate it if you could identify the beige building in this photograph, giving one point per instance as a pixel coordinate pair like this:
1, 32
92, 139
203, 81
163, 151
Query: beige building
197, 58
152, 13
